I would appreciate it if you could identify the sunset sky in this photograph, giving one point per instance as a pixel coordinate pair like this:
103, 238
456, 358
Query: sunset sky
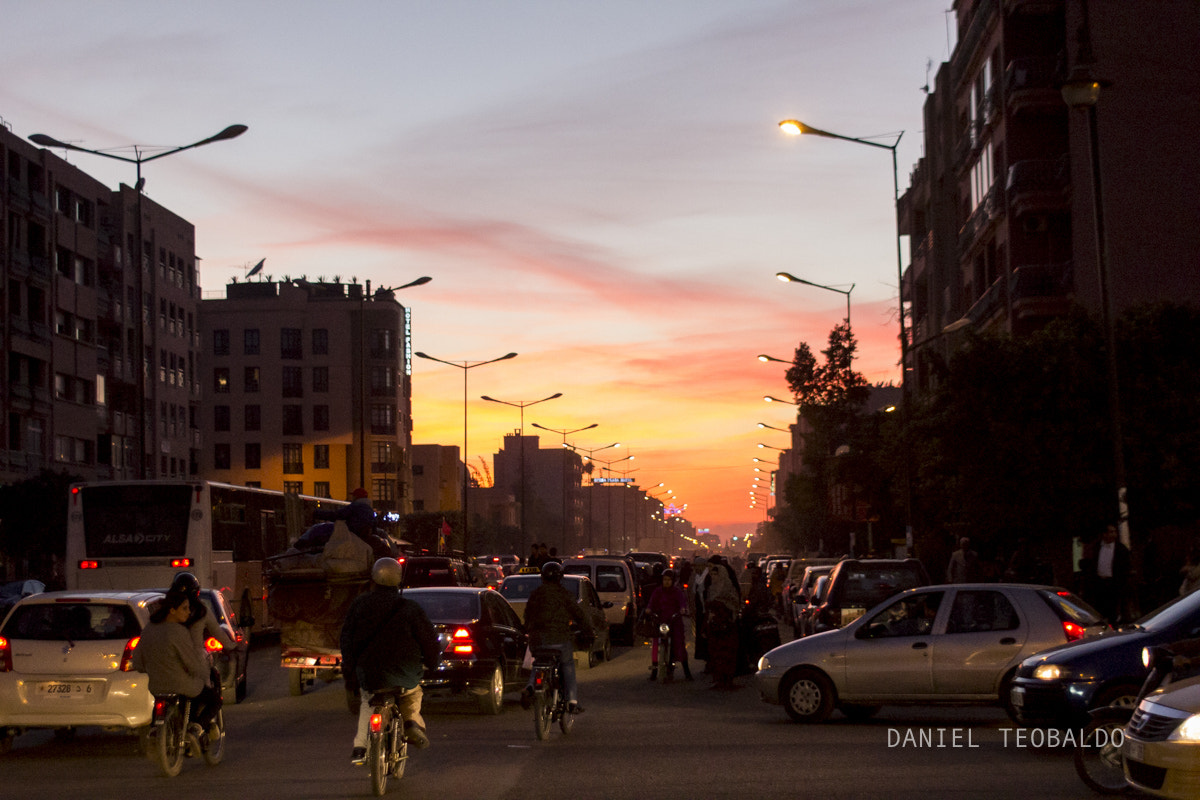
600, 187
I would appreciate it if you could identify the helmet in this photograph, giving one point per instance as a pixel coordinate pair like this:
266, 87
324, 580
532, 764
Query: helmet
552, 571
387, 572
669, 573
185, 583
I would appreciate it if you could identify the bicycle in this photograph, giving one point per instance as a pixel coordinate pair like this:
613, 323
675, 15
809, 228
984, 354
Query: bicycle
387, 747
549, 698
173, 736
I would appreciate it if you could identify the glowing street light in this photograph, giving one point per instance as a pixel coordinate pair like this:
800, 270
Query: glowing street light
788, 278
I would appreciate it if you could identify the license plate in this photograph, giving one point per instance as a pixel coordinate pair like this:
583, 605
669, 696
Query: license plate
1133, 749
1017, 696
66, 690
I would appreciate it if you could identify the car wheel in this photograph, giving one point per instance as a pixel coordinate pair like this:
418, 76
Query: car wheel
64, 734
859, 713
1006, 698
296, 682
6, 743
593, 657
607, 648
239, 692
493, 701
807, 696
1121, 696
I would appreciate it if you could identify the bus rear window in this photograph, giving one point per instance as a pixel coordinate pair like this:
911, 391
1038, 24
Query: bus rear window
131, 521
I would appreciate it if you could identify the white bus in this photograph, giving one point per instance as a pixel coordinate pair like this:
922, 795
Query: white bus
139, 534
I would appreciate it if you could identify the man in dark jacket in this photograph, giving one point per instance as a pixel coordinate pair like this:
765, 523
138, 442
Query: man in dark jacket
549, 613
387, 643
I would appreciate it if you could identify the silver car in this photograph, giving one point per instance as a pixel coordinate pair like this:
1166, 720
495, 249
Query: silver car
957, 644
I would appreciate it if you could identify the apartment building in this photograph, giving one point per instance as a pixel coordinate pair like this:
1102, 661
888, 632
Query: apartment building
307, 389
1000, 210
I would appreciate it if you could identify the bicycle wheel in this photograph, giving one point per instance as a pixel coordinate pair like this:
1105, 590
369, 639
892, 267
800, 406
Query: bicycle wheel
169, 748
541, 715
377, 761
399, 748
565, 719
216, 744
1098, 756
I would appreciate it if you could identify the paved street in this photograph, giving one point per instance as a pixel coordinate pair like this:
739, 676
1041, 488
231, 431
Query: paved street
636, 740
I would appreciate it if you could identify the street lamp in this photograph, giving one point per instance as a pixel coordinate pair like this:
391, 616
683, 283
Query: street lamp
608, 497
564, 432
1081, 91
763, 357
773, 447
771, 399
772, 427
786, 278
362, 367
139, 339
522, 404
465, 366
588, 457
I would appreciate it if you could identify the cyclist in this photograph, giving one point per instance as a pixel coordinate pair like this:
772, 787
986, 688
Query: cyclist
168, 655
387, 643
548, 616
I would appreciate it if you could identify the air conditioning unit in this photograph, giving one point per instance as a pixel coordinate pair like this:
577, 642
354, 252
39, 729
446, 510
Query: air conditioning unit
1035, 223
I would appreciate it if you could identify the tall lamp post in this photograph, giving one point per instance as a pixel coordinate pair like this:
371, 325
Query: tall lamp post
362, 369
787, 278
591, 535
139, 340
466, 367
522, 404
608, 497
564, 432
1081, 91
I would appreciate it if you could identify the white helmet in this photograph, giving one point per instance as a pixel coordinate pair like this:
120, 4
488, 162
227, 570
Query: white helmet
387, 572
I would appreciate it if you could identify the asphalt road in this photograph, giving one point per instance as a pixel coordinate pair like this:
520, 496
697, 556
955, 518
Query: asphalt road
637, 740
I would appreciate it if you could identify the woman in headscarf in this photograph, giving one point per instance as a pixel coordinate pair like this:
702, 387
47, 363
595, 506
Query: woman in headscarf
722, 600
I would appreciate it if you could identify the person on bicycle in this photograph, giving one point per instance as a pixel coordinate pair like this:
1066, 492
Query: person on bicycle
669, 603
169, 656
549, 613
387, 643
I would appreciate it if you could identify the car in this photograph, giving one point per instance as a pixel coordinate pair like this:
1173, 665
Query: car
858, 584
489, 575
807, 613
793, 584
508, 563
1058, 687
231, 665
1159, 748
517, 588
805, 598
613, 578
66, 661
434, 571
481, 644
945, 644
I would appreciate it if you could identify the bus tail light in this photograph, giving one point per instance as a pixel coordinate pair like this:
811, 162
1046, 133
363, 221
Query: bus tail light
127, 656
211, 645
89, 564
180, 563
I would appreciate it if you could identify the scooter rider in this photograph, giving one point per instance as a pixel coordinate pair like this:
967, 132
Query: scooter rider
548, 616
387, 643
669, 604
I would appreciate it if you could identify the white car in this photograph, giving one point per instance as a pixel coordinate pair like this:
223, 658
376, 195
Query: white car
66, 661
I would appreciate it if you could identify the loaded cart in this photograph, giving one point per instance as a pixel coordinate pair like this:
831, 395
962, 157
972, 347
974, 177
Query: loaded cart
309, 590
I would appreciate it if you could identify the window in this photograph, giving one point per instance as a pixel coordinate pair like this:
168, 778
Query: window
221, 418
221, 380
418, 470
321, 489
250, 342
383, 419
320, 378
251, 376
293, 458
221, 459
912, 615
253, 455
981, 612
292, 382
293, 420
383, 489
382, 455
253, 418
320, 342
383, 380
293, 487
321, 458
383, 343
291, 343
320, 418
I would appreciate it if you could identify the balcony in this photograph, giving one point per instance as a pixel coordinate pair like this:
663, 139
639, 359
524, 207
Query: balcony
1040, 290
981, 218
1039, 186
1030, 85
987, 306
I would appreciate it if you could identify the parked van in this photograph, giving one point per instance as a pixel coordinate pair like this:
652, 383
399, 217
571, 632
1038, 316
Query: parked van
613, 579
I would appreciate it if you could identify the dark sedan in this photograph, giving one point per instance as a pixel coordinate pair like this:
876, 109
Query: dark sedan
482, 643
1059, 686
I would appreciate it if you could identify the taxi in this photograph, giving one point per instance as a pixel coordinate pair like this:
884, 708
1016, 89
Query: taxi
1161, 751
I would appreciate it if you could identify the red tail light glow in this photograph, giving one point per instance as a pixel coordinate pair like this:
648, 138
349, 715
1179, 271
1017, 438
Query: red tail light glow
5, 655
88, 564
1073, 631
376, 723
159, 707
180, 563
212, 645
127, 656
461, 643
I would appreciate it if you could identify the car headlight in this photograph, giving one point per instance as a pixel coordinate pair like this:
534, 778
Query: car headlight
1189, 731
1051, 672
763, 663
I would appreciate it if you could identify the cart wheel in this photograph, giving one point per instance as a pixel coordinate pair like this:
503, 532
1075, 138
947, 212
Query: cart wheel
296, 682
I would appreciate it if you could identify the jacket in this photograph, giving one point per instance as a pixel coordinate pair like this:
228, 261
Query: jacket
168, 655
387, 641
548, 615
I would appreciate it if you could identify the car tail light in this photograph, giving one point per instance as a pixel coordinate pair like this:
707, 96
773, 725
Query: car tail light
89, 564
5, 655
1074, 631
127, 656
180, 563
461, 643
376, 723
212, 645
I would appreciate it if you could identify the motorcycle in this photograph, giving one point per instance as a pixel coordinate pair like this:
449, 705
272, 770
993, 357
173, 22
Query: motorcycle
387, 746
665, 639
1098, 755
173, 736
